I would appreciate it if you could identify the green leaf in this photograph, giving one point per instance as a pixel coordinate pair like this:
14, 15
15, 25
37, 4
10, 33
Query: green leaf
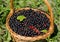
21, 17
44, 31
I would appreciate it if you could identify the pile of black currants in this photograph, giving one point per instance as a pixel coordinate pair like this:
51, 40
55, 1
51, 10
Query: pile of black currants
34, 23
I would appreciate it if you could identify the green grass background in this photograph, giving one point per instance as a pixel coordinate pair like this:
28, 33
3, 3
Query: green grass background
38, 4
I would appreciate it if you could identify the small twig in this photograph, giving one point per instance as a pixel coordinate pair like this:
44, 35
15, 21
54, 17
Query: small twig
34, 29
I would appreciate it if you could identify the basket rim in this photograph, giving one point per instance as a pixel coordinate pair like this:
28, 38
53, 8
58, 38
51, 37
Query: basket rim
50, 31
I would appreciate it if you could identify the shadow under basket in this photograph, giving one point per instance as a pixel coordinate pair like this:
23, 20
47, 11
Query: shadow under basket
19, 38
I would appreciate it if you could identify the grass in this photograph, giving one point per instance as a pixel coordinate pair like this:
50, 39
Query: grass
38, 4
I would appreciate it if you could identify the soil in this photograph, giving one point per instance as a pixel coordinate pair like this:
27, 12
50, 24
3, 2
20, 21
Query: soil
34, 23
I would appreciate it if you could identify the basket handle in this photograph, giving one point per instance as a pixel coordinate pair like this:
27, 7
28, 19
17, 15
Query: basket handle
50, 9
45, 1
11, 5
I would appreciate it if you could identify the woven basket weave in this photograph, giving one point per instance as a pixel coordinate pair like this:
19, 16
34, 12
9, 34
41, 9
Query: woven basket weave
18, 38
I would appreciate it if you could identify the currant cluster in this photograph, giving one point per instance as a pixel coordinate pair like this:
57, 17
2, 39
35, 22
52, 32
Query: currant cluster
31, 26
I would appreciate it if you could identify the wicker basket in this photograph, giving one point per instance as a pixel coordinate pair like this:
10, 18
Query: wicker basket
19, 38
